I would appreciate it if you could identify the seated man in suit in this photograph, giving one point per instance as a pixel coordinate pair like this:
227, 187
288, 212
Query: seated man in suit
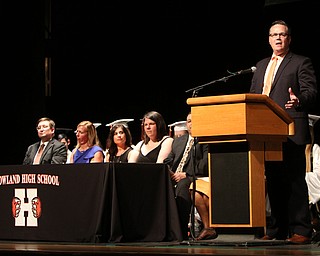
48, 150
185, 159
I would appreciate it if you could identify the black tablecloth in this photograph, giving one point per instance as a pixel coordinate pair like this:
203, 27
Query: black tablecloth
88, 203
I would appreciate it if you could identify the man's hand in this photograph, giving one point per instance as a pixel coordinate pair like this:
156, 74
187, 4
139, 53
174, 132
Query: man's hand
178, 176
293, 102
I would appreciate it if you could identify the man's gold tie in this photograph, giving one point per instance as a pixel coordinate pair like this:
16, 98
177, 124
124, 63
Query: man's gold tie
38, 156
269, 79
185, 155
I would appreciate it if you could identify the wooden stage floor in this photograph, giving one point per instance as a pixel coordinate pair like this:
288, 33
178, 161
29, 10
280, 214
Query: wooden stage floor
223, 245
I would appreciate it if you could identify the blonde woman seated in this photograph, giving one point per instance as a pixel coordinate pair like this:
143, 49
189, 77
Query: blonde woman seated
88, 148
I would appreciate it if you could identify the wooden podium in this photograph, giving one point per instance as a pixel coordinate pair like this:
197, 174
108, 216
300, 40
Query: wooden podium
243, 131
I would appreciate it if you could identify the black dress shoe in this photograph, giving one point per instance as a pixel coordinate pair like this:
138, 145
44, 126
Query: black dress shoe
299, 239
207, 234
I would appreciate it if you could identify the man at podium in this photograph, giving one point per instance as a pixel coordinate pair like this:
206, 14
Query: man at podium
292, 85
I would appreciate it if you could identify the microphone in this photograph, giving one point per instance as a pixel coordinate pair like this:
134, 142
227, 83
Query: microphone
224, 79
246, 71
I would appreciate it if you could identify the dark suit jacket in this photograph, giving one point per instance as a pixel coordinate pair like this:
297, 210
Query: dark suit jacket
54, 153
178, 147
297, 72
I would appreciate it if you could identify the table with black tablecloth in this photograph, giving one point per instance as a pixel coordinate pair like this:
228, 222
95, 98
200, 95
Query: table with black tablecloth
88, 203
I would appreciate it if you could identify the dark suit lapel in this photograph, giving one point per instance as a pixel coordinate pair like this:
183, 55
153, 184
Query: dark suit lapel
263, 68
34, 151
47, 148
282, 66
181, 147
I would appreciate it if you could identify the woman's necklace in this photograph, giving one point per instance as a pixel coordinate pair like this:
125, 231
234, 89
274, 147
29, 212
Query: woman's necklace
121, 151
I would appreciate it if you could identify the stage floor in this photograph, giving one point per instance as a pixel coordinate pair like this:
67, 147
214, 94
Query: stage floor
223, 245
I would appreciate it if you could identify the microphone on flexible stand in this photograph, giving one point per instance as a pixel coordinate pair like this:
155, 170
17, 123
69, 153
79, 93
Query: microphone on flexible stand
195, 90
245, 71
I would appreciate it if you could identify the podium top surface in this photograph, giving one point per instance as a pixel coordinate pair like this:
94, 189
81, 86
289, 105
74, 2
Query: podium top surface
241, 98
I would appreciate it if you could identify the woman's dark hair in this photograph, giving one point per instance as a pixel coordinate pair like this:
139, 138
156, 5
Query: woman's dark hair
111, 146
161, 126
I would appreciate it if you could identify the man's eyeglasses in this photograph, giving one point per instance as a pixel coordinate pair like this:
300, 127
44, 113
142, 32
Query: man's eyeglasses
278, 34
42, 128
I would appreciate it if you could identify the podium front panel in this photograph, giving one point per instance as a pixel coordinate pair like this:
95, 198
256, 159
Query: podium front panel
229, 179
237, 184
